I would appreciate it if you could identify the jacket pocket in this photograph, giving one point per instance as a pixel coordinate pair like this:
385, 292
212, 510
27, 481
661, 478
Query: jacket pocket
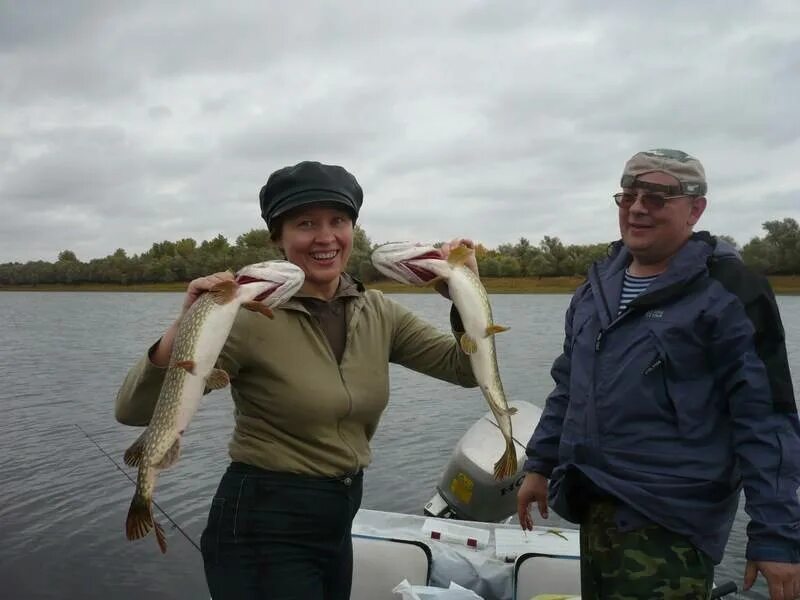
656, 375
682, 382
788, 469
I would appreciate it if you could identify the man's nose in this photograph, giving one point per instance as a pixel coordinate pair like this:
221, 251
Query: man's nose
638, 204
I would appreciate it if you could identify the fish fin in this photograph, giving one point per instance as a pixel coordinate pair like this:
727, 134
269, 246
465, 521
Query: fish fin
468, 344
434, 281
224, 291
140, 518
171, 456
259, 308
217, 379
493, 329
133, 455
188, 365
459, 255
509, 411
161, 538
507, 465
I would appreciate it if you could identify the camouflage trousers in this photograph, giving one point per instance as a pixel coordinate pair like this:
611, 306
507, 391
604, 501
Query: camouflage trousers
650, 563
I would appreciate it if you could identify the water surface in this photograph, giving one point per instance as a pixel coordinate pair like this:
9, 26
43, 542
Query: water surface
63, 504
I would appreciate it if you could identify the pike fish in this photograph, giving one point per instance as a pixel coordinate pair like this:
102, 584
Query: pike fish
419, 264
199, 340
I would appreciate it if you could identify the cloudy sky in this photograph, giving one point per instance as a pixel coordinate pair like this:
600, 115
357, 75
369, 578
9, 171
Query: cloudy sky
125, 123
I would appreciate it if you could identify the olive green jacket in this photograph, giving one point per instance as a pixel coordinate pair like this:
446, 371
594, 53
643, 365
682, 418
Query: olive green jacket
296, 409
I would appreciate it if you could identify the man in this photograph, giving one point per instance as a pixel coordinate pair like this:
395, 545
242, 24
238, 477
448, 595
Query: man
672, 394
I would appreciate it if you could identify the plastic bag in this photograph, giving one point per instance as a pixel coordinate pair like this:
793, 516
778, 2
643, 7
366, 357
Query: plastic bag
406, 591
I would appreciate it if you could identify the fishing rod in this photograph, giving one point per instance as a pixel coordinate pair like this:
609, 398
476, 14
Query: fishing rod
121, 470
720, 591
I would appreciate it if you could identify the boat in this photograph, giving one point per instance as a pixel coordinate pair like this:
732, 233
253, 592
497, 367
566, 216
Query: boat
465, 545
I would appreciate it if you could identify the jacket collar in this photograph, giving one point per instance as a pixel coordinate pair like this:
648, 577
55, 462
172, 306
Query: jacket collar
683, 269
349, 287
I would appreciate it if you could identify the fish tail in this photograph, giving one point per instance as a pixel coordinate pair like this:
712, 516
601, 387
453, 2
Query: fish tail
507, 465
161, 538
140, 521
140, 517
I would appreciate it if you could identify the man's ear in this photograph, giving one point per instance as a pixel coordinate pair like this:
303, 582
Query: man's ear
698, 207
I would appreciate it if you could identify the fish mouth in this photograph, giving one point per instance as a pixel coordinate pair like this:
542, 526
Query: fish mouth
245, 279
420, 272
425, 275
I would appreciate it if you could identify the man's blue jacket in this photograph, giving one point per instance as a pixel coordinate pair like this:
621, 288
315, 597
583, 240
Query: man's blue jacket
676, 404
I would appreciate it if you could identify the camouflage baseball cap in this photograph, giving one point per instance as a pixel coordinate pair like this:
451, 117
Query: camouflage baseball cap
680, 165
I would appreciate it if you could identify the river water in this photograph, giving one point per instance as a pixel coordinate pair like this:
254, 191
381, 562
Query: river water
63, 503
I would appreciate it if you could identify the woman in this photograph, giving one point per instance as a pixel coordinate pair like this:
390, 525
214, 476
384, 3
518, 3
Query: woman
309, 388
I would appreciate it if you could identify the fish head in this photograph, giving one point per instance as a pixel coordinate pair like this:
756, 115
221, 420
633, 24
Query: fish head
272, 282
409, 262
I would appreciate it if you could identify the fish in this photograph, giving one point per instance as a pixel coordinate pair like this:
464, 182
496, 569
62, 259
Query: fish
423, 264
201, 335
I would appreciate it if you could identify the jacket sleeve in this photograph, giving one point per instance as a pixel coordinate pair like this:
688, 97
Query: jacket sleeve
749, 358
138, 395
542, 449
422, 347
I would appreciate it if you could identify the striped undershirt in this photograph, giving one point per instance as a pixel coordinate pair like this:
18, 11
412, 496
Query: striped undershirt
632, 286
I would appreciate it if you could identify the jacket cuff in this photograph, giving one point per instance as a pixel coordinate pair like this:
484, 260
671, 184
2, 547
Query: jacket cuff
534, 465
150, 364
773, 550
456, 324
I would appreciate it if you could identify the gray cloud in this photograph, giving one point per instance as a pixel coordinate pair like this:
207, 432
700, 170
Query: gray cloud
122, 124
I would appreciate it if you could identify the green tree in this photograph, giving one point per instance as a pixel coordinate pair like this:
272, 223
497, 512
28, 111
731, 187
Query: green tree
185, 248
67, 256
255, 238
360, 263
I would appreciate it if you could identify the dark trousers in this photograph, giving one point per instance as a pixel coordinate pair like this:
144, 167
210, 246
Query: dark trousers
279, 536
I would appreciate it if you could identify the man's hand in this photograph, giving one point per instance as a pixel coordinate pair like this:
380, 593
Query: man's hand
533, 489
472, 263
783, 579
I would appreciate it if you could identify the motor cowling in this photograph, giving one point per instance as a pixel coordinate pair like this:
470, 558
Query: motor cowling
467, 489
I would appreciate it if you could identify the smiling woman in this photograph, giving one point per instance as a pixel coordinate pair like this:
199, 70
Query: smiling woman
310, 210
309, 386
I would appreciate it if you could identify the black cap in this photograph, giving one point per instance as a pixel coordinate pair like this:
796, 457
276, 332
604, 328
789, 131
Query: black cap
309, 182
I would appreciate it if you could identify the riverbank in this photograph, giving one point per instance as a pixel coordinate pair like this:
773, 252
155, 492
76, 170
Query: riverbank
784, 284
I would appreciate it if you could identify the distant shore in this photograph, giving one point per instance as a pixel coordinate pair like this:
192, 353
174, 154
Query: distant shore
783, 284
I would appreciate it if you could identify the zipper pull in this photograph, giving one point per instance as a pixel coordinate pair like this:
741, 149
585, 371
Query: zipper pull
653, 366
598, 340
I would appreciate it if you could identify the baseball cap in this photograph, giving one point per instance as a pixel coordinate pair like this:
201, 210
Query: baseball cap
683, 167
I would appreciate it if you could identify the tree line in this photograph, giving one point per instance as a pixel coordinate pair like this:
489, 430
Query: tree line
777, 252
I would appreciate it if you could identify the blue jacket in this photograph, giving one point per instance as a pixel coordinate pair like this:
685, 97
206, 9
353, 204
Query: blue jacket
678, 403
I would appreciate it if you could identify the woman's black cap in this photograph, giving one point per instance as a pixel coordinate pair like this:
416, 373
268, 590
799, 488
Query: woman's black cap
309, 182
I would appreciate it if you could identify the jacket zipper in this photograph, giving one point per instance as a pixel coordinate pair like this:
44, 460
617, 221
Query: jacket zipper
320, 334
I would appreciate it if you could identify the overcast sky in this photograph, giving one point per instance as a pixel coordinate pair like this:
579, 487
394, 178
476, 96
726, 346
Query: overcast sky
125, 123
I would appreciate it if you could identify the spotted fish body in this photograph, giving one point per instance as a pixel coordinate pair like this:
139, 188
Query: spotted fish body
417, 264
198, 342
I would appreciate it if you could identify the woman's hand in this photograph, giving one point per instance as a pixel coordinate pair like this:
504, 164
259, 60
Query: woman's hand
161, 352
471, 262
199, 286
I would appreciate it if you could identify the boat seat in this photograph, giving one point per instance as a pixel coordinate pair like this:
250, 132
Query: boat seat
545, 575
379, 564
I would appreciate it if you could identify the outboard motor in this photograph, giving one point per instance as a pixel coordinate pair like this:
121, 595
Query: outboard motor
468, 490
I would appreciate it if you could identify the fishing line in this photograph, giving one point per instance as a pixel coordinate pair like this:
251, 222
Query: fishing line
121, 470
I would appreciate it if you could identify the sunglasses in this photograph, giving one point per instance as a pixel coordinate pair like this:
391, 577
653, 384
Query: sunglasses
649, 200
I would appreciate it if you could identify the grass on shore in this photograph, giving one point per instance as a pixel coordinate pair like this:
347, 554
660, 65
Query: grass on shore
783, 284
